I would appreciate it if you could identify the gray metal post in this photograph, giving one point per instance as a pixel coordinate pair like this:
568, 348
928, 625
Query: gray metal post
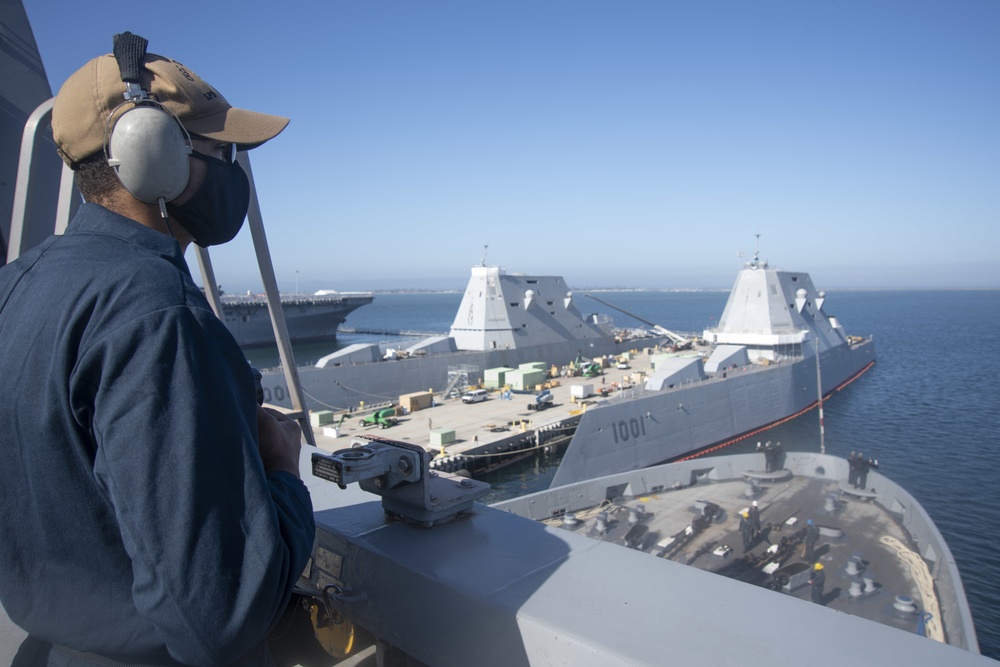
19, 208
208, 280
295, 392
819, 401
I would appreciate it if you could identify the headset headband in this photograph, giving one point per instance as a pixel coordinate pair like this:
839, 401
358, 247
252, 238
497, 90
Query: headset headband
130, 51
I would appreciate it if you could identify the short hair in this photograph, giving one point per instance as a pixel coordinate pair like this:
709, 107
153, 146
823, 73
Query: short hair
96, 179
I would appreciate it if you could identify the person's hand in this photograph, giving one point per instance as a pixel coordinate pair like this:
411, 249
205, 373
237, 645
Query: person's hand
279, 440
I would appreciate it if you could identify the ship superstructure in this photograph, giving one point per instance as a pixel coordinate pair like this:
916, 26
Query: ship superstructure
501, 311
772, 314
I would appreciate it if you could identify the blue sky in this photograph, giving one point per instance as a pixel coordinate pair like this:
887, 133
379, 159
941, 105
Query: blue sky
630, 143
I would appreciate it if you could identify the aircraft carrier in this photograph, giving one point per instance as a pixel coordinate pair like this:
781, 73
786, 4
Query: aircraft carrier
310, 317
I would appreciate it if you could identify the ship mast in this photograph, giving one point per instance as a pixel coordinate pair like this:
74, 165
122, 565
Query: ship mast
755, 263
819, 390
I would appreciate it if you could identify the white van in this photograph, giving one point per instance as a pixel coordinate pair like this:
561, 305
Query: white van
474, 396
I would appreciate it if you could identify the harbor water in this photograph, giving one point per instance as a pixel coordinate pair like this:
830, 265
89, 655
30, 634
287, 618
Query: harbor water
927, 410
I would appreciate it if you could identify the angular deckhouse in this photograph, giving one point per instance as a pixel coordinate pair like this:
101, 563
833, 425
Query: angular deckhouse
501, 311
774, 314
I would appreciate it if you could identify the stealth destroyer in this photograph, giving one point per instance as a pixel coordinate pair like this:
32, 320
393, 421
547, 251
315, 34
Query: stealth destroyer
775, 353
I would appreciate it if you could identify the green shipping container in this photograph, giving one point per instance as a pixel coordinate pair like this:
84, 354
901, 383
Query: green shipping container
525, 380
495, 378
442, 436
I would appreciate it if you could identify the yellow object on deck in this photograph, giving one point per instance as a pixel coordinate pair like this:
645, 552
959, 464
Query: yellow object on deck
335, 636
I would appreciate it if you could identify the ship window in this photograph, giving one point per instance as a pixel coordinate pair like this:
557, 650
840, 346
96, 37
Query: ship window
552, 312
795, 279
549, 302
515, 304
532, 282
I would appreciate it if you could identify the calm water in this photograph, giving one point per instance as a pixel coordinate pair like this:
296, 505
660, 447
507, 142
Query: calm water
927, 410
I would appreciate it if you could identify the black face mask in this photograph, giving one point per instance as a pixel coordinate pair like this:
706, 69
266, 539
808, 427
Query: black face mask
215, 213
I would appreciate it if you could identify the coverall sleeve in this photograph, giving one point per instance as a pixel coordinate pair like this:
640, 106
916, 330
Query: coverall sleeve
215, 543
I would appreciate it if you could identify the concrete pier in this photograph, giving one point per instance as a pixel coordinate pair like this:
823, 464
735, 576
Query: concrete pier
491, 430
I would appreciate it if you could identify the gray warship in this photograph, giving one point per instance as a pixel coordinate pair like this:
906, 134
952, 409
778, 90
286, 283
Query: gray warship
310, 317
775, 353
503, 321
503, 589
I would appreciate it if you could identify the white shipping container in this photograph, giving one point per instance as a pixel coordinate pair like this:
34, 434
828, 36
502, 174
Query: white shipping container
581, 390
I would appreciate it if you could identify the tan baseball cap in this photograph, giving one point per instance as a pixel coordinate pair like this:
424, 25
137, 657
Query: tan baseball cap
95, 91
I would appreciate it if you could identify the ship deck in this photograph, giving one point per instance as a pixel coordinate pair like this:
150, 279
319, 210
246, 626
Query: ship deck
853, 527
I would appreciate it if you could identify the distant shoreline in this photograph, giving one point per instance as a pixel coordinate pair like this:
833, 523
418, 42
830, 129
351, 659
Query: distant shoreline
678, 290
411, 290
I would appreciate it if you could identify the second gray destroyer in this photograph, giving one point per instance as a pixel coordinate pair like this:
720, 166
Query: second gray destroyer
504, 320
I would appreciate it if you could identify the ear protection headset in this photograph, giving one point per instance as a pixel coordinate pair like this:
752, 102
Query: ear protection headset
147, 146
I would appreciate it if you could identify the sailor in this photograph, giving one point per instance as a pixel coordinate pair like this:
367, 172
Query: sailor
753, 517
809, 540
817, 581
150, 511
861, 478
864, 465
745, 531
779, 457
768, 457
852, 469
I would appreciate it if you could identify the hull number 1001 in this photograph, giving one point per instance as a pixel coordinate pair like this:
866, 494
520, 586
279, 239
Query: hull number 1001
624, 430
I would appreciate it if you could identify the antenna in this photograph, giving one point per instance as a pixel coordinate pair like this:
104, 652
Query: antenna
756, 252
485, 248
819, 402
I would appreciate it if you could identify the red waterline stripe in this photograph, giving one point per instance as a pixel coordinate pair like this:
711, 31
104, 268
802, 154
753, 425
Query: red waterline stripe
750, 434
